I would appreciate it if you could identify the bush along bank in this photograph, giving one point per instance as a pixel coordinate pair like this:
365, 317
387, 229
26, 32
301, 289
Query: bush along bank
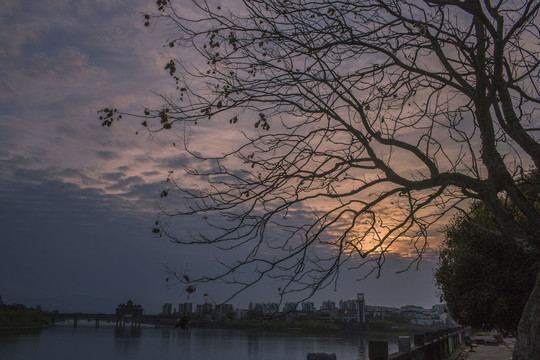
19, 316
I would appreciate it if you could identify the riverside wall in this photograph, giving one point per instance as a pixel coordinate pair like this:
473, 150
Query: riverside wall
435, 345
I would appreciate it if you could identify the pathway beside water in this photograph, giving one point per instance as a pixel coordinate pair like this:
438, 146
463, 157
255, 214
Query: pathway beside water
488, 352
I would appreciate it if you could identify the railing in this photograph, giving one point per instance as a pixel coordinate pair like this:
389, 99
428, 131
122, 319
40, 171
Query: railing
434, 345
120, 320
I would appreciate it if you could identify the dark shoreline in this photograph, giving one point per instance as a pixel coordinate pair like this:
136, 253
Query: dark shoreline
25, 327
310, 327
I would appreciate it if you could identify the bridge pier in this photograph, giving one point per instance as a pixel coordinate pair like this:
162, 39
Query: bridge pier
97, 323
75, 321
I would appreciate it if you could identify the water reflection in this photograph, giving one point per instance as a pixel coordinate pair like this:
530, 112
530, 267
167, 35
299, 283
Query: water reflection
252, 344
362, 347
148, 342
127, 332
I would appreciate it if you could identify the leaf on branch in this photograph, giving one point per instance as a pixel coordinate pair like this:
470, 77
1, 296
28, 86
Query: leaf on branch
108, 116
171, 66
161, 4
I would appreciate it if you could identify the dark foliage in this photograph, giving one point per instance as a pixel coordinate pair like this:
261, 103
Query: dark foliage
485, 279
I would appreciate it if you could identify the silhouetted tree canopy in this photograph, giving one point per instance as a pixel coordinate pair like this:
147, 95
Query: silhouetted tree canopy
485, 279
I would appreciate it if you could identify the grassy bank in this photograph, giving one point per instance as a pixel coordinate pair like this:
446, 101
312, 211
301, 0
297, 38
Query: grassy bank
304, 326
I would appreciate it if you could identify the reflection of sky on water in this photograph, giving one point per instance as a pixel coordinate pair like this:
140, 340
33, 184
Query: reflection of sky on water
64, 342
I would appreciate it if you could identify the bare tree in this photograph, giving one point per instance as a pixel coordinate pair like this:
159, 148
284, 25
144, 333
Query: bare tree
368, 122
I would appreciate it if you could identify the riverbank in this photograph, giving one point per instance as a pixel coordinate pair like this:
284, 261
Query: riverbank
316, 327
19, 317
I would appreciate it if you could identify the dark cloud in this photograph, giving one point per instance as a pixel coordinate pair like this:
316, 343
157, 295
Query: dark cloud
7, 92
176, 161
68, 131
67, 172
126, 183
123, 168
4, 137
107, 155
115, 176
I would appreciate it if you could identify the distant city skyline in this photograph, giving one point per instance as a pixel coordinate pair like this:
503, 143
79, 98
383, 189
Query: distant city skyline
345, 311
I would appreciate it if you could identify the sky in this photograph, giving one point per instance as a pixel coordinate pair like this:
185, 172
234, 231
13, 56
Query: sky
78, 201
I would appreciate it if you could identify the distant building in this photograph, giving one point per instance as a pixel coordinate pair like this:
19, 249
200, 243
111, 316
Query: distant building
424, 321
185, 307
328, 305
270, 308
381, 312
360, 308
225, 309
167, 309
439, 309
415, 312
348, 305
258, 308
241, 314
204, 308
264, 308
290, 306
308, 306
327, 314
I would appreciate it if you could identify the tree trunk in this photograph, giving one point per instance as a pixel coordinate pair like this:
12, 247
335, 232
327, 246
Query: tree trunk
527, 345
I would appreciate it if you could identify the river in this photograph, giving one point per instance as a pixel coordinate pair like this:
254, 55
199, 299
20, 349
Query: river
63, 342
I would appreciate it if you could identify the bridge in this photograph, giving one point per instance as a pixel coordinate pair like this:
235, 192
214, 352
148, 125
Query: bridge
98, 318
128, 313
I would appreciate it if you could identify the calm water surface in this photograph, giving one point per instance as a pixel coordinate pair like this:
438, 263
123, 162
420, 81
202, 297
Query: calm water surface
106, 343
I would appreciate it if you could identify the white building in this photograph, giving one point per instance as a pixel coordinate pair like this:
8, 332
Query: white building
413, 311
348, 305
